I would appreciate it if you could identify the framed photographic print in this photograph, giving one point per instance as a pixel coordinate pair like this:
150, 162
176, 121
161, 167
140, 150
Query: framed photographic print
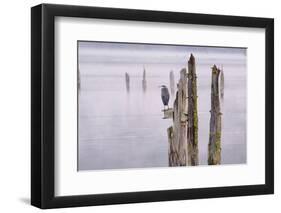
139, 106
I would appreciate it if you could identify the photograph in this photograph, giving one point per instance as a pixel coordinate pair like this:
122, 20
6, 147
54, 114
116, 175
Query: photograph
140, 105
160, 105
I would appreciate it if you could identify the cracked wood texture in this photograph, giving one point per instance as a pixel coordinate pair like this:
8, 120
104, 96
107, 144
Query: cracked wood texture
177, 133
192, 129
214, 146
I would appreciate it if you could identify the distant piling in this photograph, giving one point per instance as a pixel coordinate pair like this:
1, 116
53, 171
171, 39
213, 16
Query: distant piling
144, 82
214, 146
172, 83
78, 80
127, 80
192, 129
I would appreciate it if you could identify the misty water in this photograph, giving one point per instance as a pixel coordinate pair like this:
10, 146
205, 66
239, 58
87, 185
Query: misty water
119, 129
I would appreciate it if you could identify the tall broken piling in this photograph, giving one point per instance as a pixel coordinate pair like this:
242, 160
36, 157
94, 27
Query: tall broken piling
192, 129
214, 146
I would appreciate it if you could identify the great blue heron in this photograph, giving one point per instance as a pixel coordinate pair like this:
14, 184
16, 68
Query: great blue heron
165, 95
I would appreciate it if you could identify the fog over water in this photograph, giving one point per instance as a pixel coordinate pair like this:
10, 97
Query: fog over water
119, 129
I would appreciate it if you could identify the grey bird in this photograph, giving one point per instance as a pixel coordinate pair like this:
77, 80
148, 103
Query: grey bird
165, 95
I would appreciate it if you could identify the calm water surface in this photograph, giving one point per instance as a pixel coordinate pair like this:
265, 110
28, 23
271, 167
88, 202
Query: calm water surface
126, 130
120, 130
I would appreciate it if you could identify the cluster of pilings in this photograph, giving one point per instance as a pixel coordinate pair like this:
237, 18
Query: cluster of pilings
183, 134
144, 81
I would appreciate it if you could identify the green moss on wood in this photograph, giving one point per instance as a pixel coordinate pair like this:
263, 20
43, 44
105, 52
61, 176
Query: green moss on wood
193, 113
214, 147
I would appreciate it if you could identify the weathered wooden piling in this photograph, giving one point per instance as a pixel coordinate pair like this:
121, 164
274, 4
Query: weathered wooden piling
173, 149
172, 83
144, 83
214, 146
183, 135
192, 129
127, 80
177, 133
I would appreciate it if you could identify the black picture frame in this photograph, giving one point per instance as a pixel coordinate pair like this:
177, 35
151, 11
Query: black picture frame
43, 105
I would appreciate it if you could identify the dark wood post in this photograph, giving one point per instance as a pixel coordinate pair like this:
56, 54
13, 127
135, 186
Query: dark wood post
181, 119
214, 146
192, 129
